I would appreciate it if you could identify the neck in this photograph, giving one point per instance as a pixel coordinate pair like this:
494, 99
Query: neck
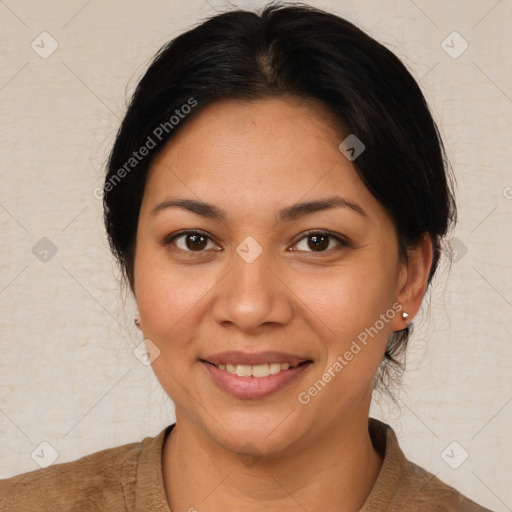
339, 468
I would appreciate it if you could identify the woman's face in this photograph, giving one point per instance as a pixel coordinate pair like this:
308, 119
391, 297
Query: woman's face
271, 282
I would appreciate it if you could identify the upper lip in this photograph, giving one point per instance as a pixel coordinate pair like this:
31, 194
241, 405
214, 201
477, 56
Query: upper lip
267, 357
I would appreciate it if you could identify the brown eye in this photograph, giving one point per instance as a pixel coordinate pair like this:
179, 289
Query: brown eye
190, 241
320, 242
195, 242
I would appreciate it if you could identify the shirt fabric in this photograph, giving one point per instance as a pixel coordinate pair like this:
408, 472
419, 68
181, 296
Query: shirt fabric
129, 478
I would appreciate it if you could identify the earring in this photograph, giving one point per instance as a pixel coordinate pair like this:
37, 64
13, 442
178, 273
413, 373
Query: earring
406, 317
136, 320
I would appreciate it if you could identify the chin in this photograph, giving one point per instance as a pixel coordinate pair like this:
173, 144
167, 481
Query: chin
254, 432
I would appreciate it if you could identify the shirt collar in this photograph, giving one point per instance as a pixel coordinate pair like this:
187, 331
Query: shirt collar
150, 489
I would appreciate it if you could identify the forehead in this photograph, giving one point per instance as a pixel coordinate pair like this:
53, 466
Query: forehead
255, 155
267, 139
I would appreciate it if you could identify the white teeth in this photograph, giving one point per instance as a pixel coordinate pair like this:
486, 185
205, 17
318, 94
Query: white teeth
258, 370
275, 368
243, 370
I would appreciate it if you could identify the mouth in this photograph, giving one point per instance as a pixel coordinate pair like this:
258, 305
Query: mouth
254, 376
257, 370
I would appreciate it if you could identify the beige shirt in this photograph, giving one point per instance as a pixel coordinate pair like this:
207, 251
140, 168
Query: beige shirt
129, 478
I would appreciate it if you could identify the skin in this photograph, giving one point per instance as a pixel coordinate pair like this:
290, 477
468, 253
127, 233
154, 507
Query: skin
251, 159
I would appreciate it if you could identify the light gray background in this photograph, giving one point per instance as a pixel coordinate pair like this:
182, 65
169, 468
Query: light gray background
68, 375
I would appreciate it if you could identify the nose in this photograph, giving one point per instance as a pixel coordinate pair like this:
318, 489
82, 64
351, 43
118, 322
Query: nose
252, 296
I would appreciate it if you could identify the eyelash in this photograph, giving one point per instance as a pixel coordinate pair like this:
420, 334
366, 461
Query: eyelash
343, 242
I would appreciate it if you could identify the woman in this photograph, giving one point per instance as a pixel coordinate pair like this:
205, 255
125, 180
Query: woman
276, 196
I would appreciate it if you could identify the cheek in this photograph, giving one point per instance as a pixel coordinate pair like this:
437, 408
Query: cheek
171, 304
170, 298
351, 299
357, 306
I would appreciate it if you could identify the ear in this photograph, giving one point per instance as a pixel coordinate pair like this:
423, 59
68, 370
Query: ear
413, 281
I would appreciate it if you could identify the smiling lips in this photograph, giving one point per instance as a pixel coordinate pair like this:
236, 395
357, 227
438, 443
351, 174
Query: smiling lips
258, 370
251, 376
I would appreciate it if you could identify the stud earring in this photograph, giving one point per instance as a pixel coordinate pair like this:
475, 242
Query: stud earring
406, 317
136, 320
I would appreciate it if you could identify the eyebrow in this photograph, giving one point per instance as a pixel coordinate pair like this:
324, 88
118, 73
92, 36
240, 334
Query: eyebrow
284, 215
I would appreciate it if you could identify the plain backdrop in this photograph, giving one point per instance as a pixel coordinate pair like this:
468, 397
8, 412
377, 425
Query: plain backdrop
68, 374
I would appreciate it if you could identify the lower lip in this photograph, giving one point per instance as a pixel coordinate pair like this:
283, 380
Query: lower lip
253, 387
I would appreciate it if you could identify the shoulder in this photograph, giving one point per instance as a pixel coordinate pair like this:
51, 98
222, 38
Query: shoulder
421, 490
100, 481
404, 486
